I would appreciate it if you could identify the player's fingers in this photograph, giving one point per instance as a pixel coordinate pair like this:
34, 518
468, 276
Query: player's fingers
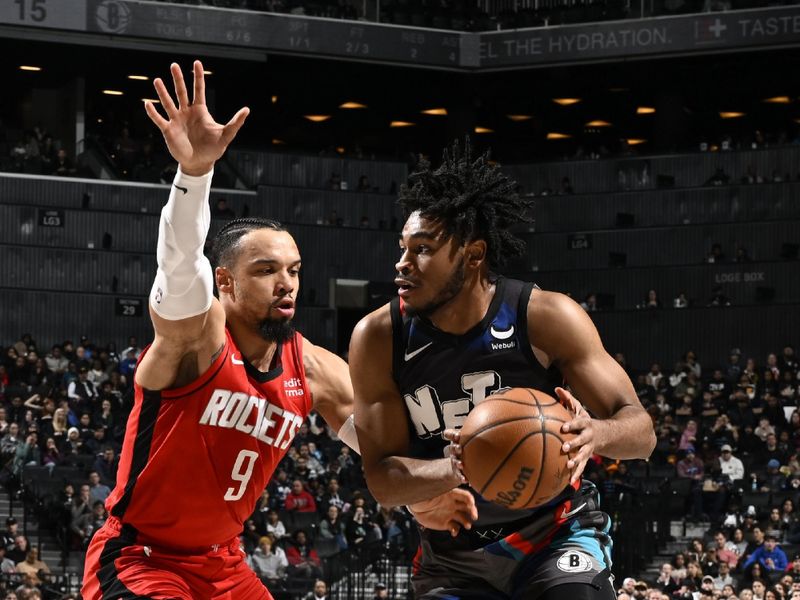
463, 518
579, 441
180, 85
234, 125
199, 96
453, 527
165, 98
577, 424
156, 118
578, 472
452, 435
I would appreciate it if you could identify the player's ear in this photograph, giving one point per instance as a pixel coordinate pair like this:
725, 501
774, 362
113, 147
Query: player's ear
475, 253
224, 280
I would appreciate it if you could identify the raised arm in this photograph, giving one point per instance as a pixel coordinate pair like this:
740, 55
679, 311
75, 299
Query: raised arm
189, 323
566, 335
382, 425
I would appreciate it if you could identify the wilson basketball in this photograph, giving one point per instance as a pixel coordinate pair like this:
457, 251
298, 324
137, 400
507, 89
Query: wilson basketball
511, 448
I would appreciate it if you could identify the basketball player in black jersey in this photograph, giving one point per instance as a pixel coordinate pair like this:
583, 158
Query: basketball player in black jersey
457, 333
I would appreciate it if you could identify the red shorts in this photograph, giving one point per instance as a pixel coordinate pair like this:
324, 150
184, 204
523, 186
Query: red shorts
120, 566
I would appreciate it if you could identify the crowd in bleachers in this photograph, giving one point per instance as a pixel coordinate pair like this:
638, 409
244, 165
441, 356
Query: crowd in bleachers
728, 440
62, 421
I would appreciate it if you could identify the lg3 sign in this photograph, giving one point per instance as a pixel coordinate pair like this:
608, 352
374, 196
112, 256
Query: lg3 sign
51, 218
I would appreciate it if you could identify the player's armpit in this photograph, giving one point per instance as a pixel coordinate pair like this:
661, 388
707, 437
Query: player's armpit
329, 379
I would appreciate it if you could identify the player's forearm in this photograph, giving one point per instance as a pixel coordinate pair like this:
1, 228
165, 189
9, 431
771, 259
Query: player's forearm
628, 434
399, 480
183, 284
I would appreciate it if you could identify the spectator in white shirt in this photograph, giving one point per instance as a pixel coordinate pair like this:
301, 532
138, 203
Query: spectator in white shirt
730, 465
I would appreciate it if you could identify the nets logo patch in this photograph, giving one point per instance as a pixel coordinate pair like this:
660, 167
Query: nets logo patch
574, 562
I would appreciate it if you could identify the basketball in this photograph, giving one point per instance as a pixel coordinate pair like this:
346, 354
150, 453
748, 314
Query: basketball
511, 448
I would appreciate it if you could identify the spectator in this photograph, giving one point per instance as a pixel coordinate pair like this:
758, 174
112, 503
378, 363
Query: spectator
770, 556
680, 301
269, 562
320, 591
275, 526
63, 165
33, 566
718, 298
379, 591
331, 538
363, 184
10, 533
303, 559
360, 529
730, 466
7, 566
727, 552
691, 467
719, 177
651, 300
666, 582
98, 491
590, 303
222, 210
299, 500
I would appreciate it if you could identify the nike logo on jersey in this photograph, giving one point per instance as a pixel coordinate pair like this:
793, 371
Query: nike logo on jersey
566, 515
409, 355
235, 360
183, 189
501, 335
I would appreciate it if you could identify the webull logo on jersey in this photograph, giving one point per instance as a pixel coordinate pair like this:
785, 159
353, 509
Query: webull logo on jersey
431, 416
501, 340
253, 415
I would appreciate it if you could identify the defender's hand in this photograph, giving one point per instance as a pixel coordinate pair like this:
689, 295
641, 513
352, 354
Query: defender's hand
453, 452
581, 448
449, 512
193, 138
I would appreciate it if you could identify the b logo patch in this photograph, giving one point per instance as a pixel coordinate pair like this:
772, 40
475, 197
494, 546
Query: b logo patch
574, 562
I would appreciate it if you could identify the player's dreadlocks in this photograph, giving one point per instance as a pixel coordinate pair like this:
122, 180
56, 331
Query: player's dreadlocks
224, 246
471, 198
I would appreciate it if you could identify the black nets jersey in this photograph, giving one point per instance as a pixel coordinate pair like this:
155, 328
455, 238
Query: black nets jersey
442, 376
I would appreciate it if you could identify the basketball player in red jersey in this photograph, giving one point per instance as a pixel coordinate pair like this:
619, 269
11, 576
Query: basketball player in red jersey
220, 393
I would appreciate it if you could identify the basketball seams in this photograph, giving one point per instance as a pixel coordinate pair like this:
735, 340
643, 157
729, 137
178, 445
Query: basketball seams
519, 425
494, 424
506, 459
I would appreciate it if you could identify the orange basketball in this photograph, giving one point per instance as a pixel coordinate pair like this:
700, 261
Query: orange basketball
511, 448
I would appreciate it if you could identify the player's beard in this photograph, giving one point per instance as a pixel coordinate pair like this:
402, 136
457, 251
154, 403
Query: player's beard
276, 330
449, 291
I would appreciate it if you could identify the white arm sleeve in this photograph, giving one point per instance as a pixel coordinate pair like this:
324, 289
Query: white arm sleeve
347, 434
183, 286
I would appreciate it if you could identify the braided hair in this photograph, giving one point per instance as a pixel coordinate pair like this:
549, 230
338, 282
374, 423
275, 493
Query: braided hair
471, 198
224, 245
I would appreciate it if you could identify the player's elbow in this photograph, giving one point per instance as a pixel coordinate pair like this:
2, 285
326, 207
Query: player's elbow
378, 484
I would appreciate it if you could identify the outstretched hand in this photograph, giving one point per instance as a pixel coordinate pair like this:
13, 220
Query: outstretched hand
193, 137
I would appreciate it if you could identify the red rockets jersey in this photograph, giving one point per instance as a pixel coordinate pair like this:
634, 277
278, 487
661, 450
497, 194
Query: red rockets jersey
196, 459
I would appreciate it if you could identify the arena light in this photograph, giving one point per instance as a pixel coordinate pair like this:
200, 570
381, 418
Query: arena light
29, 68
153, 100
731, 114
277, 142
553, 135
206, 72
112, 92
778, 100
483, 130
317, 118
566, 101
438, 112
520, 118
340, 149
635, 141
352, 105
617, 90
139, 77
645, 110
401, 124
274, 99
598, 123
